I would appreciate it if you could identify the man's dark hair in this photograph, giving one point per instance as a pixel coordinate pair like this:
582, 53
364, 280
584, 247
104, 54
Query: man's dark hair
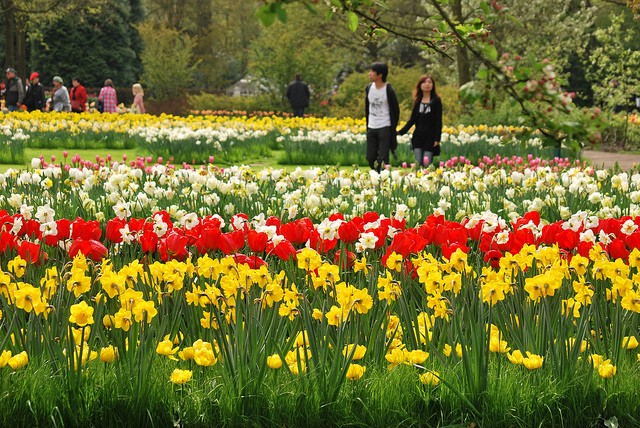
380, 68
298, 76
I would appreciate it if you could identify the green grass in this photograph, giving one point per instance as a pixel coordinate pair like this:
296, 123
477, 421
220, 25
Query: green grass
90, 154
517, 398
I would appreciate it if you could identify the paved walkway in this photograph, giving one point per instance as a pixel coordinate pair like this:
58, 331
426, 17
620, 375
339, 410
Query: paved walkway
609, 159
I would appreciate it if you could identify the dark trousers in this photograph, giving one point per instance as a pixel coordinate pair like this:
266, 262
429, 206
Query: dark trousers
378, 147
298, 111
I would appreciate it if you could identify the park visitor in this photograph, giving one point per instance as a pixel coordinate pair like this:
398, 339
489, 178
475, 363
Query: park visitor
34, 98
108, 97
382, 114
426, 116
138, 99
78, 96
14, 91
298, 95
59, 96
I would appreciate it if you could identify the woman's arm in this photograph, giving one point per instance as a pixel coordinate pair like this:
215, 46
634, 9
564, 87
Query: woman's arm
437, 120
412, 121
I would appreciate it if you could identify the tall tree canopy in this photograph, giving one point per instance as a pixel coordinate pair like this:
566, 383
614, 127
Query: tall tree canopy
93, 44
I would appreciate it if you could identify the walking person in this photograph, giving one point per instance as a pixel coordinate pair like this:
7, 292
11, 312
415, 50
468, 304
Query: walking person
34, 98
426, 116
108, 97
78, 96
59, 96
382, 112
138, 99
14, 91
298, 95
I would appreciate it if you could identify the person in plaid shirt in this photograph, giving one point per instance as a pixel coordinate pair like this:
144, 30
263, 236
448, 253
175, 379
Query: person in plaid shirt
108, 97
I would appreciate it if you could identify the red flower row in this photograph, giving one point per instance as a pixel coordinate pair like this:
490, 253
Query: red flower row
158, 235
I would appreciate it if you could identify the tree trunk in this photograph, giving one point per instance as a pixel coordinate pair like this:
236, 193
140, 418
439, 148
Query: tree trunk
21, 53
9, 33
462, 56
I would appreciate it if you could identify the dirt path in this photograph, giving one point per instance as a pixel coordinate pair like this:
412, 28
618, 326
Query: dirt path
609, 159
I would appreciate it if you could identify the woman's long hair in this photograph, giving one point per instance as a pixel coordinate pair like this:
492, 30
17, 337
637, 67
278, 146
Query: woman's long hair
417, 91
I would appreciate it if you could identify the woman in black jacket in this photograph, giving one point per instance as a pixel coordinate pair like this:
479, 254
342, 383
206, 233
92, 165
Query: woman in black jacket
426, 115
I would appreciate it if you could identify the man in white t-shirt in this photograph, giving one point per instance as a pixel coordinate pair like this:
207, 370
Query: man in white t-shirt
382, 113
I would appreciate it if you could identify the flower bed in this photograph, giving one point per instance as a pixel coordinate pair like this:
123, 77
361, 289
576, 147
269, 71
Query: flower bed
229, 294
233, 139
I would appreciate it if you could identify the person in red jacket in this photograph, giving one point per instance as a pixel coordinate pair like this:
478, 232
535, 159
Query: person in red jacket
78, 96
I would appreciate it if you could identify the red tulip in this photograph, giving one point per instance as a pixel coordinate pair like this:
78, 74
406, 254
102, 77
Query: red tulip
370, 217
297, 232
285, 251
583, 248
64, 232
348, 232
321, 245
633, 240
274, 221
493, 257
148, 241
348, 261
31, 228
336, 216
231, 242
86, 230
567, 239
448, 250
618, 249
7, 241
257, 241
113, 230
173, 246
254, 262
89, 247
30, 252
208, 240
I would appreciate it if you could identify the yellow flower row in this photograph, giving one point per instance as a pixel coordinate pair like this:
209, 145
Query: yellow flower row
75, 123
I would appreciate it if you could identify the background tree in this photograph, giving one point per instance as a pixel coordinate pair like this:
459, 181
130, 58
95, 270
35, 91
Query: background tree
221, 29
283, 50
168, 61
23, 23
93, 44
613, 65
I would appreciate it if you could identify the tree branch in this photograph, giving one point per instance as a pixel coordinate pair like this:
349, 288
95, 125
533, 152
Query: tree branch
380, 24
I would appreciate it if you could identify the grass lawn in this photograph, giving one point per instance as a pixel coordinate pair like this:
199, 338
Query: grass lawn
117, 154
89, 154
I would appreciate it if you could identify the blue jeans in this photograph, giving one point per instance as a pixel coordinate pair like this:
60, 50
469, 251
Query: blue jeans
419, 154
12, 108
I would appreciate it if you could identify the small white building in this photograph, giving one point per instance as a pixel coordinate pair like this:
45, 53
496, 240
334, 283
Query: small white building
247, 86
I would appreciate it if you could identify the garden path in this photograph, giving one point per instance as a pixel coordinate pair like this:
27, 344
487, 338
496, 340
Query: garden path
608, 159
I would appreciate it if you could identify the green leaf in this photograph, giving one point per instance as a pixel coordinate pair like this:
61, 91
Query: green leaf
491, 52
470, 92
266, 15
485, 8
379, 31
328, 15
281, 13
353, 20
482, 74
